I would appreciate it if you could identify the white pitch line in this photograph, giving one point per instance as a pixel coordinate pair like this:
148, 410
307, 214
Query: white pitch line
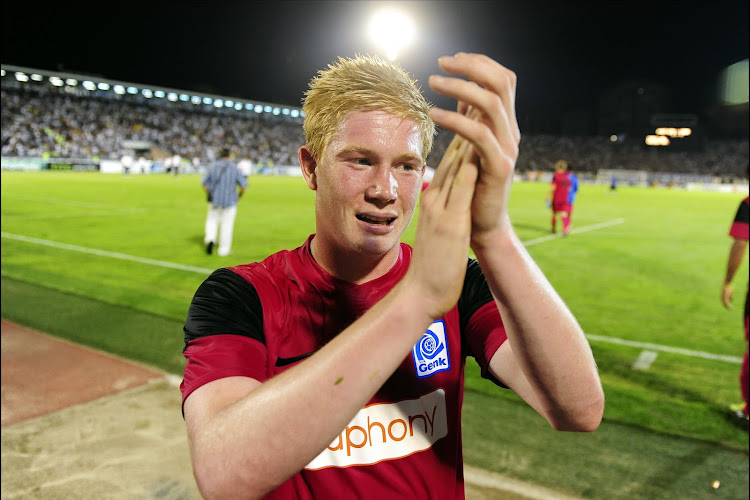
205, 271
104, 253
574, 231
665, 348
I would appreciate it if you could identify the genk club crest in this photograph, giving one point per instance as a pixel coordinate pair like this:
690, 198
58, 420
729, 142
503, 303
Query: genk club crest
430, 353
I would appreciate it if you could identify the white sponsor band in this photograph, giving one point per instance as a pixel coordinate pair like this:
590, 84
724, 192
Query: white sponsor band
387, 431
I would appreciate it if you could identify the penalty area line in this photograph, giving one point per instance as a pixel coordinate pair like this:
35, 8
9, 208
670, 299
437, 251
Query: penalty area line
583, 229
665, 348
105, 253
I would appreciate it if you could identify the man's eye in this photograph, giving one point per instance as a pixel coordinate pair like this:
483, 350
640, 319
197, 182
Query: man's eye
361, 161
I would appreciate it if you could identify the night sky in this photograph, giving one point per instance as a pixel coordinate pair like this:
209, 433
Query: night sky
565, 53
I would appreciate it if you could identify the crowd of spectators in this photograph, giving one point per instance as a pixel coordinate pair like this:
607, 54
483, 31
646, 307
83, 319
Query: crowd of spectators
45, 121
59, 124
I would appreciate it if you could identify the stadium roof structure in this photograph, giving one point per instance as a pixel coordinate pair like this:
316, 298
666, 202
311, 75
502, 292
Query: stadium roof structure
104, 87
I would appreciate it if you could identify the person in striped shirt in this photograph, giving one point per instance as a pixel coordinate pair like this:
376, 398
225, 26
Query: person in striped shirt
225, 185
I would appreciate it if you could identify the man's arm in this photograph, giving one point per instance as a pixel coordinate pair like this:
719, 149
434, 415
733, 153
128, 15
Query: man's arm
546, 359
551, 193
238, 427
736, 254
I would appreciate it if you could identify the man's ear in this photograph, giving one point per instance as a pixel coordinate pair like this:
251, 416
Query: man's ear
308, 164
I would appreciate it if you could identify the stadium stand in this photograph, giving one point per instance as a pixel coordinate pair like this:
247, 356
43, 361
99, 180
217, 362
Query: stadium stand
40, 120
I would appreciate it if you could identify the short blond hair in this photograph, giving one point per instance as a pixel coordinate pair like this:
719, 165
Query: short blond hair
561, 164
362, 83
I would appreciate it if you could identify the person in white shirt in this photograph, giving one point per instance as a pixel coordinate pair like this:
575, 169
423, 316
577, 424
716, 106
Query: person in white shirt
126, 161
245, 166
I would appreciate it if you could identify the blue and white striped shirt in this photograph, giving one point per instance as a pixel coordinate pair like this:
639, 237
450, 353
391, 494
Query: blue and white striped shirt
222, 180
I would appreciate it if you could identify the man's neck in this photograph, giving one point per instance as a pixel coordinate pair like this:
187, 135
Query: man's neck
351, 264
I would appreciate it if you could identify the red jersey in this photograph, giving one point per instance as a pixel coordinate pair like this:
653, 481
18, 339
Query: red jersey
258, 320
561, 182
741, 222
739, 230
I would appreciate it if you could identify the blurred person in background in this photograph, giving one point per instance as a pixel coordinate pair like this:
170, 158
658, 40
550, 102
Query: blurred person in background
176, 164
739, 233
127, 162
245, 166
224, 185
571, 196
335, 370
557, 199
144, 165
429, 173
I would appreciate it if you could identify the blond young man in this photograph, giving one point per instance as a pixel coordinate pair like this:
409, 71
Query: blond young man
335, 370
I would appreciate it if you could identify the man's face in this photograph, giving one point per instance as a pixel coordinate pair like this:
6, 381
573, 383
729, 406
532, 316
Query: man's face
368, 182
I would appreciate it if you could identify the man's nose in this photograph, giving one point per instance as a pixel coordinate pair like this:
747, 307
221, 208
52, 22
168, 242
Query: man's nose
383, 185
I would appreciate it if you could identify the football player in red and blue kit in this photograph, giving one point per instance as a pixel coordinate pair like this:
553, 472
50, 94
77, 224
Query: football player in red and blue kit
335, 370
559, 196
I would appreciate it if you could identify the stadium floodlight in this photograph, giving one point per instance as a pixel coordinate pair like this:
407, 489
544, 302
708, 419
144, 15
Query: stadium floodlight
71, 82
159, 94
102, 86
56, 81
267, 109
674, 132
657, 140
392, 31
219, 103
184, 97
2, 72
295, 113
285, 111
248, 105
172, 97
276, 111
229, 104
207, 100
195, 99
258, 108
132, 90
37, 77
119, 89
147, 93
89, 85
238, 106
22, 77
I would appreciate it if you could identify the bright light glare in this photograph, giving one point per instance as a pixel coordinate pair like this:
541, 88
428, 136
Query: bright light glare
392, 31
657, 140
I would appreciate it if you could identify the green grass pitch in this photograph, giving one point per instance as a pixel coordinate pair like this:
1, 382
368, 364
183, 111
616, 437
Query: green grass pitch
112, 262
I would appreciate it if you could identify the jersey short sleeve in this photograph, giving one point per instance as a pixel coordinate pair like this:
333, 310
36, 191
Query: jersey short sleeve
739, 227
481, 324
223, 332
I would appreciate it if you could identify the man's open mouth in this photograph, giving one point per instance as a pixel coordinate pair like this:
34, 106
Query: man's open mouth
376, 220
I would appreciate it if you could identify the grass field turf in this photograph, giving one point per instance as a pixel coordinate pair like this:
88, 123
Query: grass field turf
655, 277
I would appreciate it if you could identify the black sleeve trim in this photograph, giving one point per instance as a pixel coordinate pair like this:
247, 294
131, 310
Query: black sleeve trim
292, 360
475, 293
224, 304
743, 213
